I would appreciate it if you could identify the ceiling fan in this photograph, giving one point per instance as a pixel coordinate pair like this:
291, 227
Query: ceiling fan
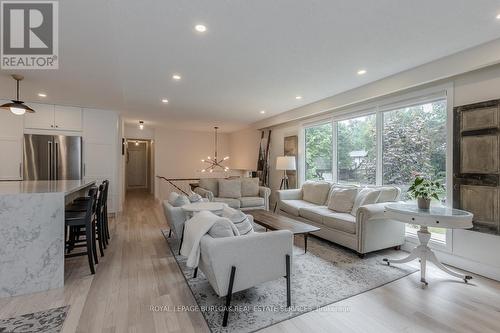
17, 107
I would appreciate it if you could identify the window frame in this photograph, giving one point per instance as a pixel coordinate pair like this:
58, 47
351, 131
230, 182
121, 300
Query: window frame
303, 148
378, 107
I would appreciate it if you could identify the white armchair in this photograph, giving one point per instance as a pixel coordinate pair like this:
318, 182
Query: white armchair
232, 264
175, 218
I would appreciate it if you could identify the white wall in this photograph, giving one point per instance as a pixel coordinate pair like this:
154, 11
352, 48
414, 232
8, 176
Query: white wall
244, 149
178, 154
133, 132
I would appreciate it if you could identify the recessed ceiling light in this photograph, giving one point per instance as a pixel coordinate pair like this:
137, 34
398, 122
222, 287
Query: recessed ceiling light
164, 100
42, 95
498, 17
362, 72
200, 28
298, 97
262, 111
176, 77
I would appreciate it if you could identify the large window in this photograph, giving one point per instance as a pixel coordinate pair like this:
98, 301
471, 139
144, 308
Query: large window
318, 152
414, 142
383, 146
356, 150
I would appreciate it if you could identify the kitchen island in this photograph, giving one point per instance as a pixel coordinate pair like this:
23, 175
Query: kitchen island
32, 233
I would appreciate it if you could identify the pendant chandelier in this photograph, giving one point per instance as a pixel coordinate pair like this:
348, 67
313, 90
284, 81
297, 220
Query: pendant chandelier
214, 163
17, 107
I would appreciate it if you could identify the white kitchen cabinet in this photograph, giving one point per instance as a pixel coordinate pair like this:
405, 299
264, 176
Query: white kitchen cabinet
68, 118
101, 149
43, 118
54, 117
11, 145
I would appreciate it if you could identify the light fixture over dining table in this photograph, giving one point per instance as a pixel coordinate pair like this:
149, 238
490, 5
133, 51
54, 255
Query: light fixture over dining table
214, 163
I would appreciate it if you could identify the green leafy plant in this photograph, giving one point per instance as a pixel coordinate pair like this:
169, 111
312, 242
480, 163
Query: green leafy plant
425, 188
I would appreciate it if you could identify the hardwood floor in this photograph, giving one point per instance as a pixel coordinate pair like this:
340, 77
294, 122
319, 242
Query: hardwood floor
138, 272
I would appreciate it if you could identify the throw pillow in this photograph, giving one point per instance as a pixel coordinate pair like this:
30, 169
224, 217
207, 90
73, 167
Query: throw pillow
223, 227
210, 184
177, 200
365, 196
195, 197
249, 187
342, 199
239, 219
230, 188
316, 192
172, 197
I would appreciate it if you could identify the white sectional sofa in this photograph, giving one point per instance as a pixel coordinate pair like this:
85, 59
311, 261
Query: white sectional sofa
364, 229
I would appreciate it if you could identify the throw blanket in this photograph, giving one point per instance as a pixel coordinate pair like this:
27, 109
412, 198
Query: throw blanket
194, 229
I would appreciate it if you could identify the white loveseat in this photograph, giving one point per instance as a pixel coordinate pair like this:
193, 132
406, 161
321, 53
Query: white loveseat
365, 230
238, 193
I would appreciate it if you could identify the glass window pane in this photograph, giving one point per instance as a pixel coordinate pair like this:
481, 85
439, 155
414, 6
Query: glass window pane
414, 142
357, 150
318, 152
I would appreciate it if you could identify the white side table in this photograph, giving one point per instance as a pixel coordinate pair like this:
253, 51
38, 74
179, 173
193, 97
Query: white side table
440, 217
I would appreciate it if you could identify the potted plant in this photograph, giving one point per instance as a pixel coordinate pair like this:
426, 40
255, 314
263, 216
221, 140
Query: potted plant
424, 190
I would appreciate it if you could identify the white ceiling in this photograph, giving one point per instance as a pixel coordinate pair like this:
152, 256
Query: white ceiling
259, 54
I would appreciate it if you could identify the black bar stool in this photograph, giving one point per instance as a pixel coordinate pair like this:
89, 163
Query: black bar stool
78, 220
105, 211
97, 216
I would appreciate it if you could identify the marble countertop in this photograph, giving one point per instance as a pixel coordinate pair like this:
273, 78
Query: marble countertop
43, 186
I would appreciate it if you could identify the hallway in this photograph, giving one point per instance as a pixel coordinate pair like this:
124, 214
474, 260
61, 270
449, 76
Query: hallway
138, 271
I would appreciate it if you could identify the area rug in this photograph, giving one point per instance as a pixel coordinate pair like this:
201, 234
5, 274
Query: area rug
47, 321
326, 274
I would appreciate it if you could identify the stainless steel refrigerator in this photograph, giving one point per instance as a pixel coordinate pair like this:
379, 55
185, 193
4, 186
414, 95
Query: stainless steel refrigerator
52, 157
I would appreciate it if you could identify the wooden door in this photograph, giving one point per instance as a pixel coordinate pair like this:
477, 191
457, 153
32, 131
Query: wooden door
137, 165
476, 163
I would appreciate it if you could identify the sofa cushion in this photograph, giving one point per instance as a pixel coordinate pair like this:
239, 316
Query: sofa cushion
210, 184
229, 188
233, 203
314, 214
365, 196
316, 192
342, 199
249, 187
340, 221
251, 202
292, 206
388, 194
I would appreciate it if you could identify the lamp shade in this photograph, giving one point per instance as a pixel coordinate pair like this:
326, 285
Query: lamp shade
285, 163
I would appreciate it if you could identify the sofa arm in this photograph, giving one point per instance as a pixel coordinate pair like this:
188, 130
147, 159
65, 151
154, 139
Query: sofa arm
175, 217
258, 257
265, 192
295, 194
204, 193
375, 231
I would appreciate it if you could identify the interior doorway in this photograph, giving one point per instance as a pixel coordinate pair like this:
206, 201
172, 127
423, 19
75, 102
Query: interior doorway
139, 166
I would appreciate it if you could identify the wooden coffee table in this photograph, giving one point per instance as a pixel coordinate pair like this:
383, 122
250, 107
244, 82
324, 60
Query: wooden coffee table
273, 221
